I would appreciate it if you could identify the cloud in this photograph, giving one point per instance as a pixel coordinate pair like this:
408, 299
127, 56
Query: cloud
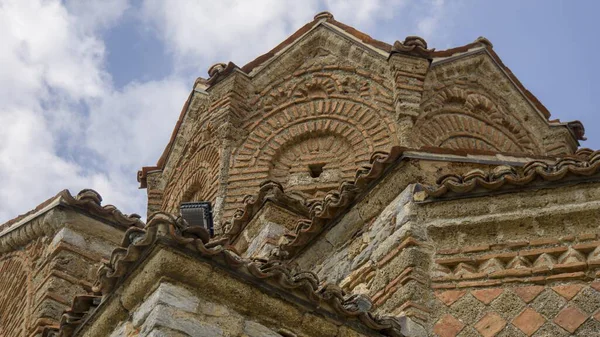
58, 108
202, 32
65, 125
364, 13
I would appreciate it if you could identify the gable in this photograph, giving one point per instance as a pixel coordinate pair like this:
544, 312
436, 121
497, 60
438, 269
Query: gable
470, 102
325, 102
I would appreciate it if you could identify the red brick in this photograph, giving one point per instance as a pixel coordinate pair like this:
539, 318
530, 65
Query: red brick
511, 272
597, 316
487, 283
448, 251
570, 318
567, 267
540, 242
568, 291
453, 261
487, 295
448, 326
587, 236
567, 276
595, 285
490, 325
535, 252
517, 244
588, 246
529, 321
450, 296
527, 294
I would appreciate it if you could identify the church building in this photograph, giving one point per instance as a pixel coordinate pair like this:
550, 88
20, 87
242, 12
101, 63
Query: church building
335, 186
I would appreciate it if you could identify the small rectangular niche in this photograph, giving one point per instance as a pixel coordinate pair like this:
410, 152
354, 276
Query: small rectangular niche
315, 170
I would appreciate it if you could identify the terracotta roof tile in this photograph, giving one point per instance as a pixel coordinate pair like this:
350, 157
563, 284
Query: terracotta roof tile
276, 273
585, 163
87, 200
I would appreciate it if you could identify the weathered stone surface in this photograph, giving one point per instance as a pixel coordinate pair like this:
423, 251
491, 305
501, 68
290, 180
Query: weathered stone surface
254, 329
169, 295
169, 317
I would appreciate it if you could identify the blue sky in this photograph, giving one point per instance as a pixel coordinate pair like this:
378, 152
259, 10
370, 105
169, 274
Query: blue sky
90, 91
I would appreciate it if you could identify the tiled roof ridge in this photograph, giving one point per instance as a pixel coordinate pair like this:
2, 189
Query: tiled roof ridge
91, 201
137, 242
583, 163
13, 234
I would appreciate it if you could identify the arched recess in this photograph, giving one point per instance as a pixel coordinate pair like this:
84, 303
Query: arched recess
339, 134
14, 296
461, 119
197, 180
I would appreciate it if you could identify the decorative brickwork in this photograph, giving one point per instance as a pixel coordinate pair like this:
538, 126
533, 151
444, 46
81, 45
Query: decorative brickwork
15, 295
529, 315
359, 189
523, 261
467, 119
333, 120
196, 181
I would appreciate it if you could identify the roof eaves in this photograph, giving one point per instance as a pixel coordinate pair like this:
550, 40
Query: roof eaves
583, 166
138, 242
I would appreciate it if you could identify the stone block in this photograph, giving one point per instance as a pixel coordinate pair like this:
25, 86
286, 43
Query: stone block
169, 317
254, 329
167, 294
548, 303
508, 305
317, 326
587, 300
345, 228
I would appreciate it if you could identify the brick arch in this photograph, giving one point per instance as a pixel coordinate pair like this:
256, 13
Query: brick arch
462, 119
292, 128
335, 155
460, 131
14, 296
198, 179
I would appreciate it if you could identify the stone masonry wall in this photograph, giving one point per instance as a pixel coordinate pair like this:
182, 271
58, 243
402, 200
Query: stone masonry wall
39, 280
521, 264
175, 294
172, 310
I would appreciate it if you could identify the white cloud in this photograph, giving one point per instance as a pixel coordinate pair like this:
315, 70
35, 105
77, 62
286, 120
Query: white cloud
51, 72
364, 13
202, 32
64, 125
199, 32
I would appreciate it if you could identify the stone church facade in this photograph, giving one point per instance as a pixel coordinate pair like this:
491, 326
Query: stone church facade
358, 189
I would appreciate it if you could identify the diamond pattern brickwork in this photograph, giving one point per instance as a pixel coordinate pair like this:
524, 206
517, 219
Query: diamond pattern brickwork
529, 321
558, 309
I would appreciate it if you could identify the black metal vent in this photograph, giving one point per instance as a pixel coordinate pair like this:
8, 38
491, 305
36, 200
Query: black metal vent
198, 213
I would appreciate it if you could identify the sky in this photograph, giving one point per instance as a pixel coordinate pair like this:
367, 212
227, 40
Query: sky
90, 90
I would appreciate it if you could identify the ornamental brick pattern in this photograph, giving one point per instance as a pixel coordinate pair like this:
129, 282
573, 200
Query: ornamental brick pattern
15, 295
311, 116
520, 310
197, 180
529, 261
